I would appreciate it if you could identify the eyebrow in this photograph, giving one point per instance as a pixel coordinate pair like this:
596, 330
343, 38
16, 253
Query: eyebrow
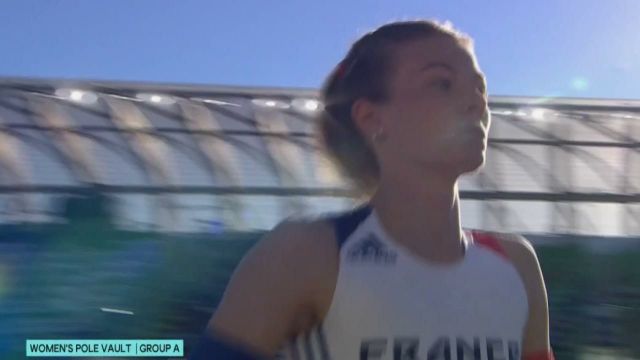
437, 65
446, 66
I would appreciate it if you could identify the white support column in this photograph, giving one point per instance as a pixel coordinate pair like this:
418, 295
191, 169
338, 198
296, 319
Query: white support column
287, 157
219, 155
76, 149
154, 154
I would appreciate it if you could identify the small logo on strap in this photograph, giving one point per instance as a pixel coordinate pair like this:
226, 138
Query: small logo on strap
371, 249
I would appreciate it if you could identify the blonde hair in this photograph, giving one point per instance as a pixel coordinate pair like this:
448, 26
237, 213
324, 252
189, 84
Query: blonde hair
363, 73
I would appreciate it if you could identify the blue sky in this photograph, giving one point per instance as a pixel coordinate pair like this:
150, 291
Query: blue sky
576, 48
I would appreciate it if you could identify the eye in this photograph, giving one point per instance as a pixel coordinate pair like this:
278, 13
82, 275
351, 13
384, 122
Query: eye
482, 88
442, 84
482, 85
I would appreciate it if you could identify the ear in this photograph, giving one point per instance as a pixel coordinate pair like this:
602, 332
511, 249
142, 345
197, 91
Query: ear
365, 115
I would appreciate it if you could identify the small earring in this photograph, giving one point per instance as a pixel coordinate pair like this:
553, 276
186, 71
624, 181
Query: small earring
377, 135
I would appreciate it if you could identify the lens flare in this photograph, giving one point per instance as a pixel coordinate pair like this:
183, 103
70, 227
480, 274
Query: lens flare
580, 84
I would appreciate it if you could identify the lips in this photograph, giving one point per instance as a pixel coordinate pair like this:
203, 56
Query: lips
478, 131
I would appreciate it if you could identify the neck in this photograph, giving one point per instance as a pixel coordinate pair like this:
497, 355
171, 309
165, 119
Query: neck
423, 215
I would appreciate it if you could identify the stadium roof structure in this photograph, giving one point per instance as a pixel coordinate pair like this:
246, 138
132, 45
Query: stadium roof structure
191, 157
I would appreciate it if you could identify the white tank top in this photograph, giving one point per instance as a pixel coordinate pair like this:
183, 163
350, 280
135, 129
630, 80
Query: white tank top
391, 305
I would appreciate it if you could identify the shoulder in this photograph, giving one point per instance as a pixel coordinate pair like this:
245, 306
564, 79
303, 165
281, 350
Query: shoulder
513, 247
298, 239
522, 255
520, 252
294, 251
304, 253
319, 235
277, 288
286, 252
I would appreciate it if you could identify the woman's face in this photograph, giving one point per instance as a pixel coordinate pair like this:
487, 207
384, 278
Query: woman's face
436, 116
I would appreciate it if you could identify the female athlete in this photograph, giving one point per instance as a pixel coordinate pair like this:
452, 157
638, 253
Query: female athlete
405, 115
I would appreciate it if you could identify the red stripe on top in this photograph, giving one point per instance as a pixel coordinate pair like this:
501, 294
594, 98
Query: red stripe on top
489, 241
542, 355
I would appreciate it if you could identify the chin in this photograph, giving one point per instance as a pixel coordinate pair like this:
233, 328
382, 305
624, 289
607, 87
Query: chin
472, 164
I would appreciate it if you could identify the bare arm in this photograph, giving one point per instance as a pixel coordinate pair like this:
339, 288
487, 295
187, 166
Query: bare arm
272, 295
536, 344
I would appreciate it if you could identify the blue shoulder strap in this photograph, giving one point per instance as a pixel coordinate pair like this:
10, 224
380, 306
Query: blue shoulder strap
346, 223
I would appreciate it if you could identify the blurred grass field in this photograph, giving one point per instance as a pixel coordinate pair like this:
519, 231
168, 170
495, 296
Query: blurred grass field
57, 281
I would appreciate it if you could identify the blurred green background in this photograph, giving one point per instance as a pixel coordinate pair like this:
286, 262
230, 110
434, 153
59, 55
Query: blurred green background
87, 280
